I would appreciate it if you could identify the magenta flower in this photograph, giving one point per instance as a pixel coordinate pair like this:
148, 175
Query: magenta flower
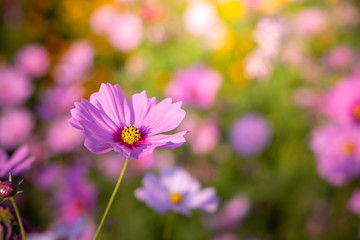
196, 86
337, 149
110, 122
17, 163
354, 202
343, 101
175, 190
250, 134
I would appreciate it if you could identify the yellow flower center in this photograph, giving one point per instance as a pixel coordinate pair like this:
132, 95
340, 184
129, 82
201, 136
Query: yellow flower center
175, 198
357, 112
348, 149
130, 134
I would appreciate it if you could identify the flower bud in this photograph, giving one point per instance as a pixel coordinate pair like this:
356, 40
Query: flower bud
6, 189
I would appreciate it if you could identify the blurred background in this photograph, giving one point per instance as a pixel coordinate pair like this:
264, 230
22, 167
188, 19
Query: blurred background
272, 94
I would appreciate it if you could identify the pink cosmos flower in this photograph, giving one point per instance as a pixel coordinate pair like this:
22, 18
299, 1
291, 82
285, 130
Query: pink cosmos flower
15, 88
195, 86
337, 149
354, 202
32, 60
176, 190
17, 163
16, 126
110, 122
343, 101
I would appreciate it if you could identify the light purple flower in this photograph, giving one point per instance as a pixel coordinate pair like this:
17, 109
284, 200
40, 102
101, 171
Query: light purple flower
15, 88
75, 64
110, 122
337, 150
342, 103
195, 86
354, 202
16, 126
250, 134
17, 163
32, 60
175, 190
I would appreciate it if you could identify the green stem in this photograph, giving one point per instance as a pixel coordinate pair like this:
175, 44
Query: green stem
111, 199
19, 218
169, 226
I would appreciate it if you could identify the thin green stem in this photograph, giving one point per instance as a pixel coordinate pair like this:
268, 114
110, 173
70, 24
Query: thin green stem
19, 218
111, 199
169, 226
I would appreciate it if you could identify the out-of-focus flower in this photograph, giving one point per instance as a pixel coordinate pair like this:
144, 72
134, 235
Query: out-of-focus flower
342, 103
354, 202
175, 190
17, 163
75, 64
77, 196
337, 150
135, 65
226, 236
233, 212
8, 224
308, 98
127, 32
204, 134
258, 66
32, 60
16, 126
250, 134
339, 58
110, 122
15, 88
101, 19
310, 22
200, 17
196, 86
62, 137
345, 14
58, 100
48, 177
152, 11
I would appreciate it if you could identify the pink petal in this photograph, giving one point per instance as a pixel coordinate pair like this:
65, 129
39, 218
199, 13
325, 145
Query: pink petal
205, 199
140, 105
167, 141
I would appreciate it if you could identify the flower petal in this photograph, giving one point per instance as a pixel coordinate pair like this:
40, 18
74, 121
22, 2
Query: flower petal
140, 105
205, 199
179, 181
111, 100
164, 116
167, 141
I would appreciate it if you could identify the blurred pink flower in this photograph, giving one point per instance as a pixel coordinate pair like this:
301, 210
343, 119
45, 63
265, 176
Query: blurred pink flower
337, 150
62, 137
233, 212
101, 20
196, 86
250, 134
48, 177
74, 66
226, 236
16, 126
58, 100
17, 163
258, 66
308, 98
310, 22
342, 103
15, 88
33, 60
339, 58
354, 202
127, 32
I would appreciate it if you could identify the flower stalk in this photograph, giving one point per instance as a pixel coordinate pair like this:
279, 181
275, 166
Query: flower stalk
18, 218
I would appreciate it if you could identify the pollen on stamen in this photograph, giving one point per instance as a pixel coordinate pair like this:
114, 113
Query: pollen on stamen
130, 134
175, 198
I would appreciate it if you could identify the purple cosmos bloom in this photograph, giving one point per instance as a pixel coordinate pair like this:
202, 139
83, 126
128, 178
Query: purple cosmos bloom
17, 163
195, 86
32, 60
250, 134
176, 190
343, 101
337, 149
15, 88
110, 122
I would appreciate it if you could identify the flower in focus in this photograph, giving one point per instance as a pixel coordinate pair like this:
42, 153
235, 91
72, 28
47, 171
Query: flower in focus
16, 126
15, 88
175, 190
195, 86
250, 134
354, 202
32, 60
337, 150
110, 122
17, 163
342, 103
